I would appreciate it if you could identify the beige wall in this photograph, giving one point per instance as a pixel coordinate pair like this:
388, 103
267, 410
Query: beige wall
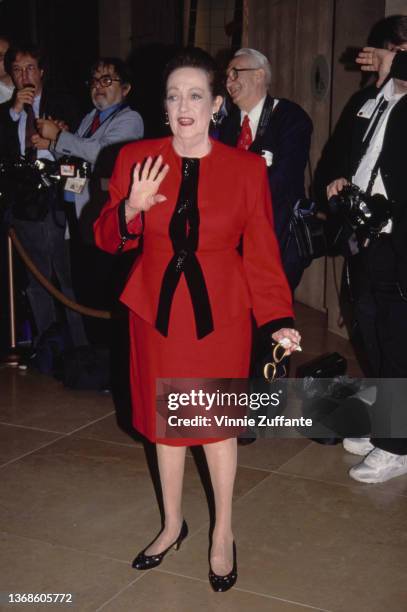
396, 7
351, 33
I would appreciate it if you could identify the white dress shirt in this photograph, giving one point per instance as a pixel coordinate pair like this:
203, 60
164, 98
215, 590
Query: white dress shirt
22, 120
369, 110
254, 117
366, 166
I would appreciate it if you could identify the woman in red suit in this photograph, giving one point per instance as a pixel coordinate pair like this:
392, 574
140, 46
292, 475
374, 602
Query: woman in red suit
191, 293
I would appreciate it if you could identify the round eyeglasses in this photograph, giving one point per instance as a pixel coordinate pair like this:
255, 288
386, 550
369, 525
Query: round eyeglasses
233, 73
104, 81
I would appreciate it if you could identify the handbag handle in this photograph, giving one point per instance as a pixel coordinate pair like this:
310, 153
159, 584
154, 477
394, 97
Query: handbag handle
270, 368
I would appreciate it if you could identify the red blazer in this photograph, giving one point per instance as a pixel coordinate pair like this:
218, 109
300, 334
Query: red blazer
234, 201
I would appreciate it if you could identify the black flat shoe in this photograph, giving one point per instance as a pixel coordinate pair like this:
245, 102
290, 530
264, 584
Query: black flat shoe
143, 561
220, 584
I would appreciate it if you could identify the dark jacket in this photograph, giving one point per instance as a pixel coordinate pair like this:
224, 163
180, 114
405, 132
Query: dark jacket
55, 104
392, 168
286, 133
336, 157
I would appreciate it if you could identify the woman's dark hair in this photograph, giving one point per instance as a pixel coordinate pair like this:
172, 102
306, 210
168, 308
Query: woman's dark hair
194, 57
119, 66
23, 49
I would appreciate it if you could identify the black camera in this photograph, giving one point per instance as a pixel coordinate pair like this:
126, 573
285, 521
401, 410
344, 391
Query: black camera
39, 174
24, 187
365, 214
20, 178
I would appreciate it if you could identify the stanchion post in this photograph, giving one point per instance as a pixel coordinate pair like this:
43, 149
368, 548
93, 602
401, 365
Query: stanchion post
12, 358
11, 294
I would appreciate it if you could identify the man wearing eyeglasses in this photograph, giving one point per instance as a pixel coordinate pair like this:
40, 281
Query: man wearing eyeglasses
96, 143
25, 64
101, 133
277, 129
37, 215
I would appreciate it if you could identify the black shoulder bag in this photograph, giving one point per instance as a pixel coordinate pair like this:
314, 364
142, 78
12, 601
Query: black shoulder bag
307, 228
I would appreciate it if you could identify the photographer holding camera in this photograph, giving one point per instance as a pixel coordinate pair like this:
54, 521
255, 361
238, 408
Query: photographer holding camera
91, 151
372, 203
36, 209
87, 157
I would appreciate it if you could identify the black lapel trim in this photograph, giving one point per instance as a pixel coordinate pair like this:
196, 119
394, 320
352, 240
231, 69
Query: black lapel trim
264, 122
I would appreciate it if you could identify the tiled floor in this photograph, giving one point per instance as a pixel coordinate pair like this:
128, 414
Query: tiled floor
77, 502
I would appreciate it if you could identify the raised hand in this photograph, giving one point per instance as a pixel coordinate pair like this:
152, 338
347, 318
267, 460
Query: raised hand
25, 95
376, 60
144, 188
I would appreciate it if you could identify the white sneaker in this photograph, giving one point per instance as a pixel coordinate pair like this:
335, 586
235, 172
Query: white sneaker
379, 466
358, 446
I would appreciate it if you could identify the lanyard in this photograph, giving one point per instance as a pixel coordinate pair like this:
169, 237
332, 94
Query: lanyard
111, 116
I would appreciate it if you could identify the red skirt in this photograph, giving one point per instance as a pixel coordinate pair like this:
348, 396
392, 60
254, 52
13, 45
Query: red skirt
224, 353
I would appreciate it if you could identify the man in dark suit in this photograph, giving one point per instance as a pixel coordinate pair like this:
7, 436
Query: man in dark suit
277, 129
377, 145
42, 238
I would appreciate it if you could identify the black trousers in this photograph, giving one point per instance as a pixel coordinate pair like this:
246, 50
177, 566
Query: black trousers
381, 315
45, 244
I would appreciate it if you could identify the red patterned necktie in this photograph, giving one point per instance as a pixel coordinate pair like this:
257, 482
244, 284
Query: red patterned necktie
95, 123
245, 138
